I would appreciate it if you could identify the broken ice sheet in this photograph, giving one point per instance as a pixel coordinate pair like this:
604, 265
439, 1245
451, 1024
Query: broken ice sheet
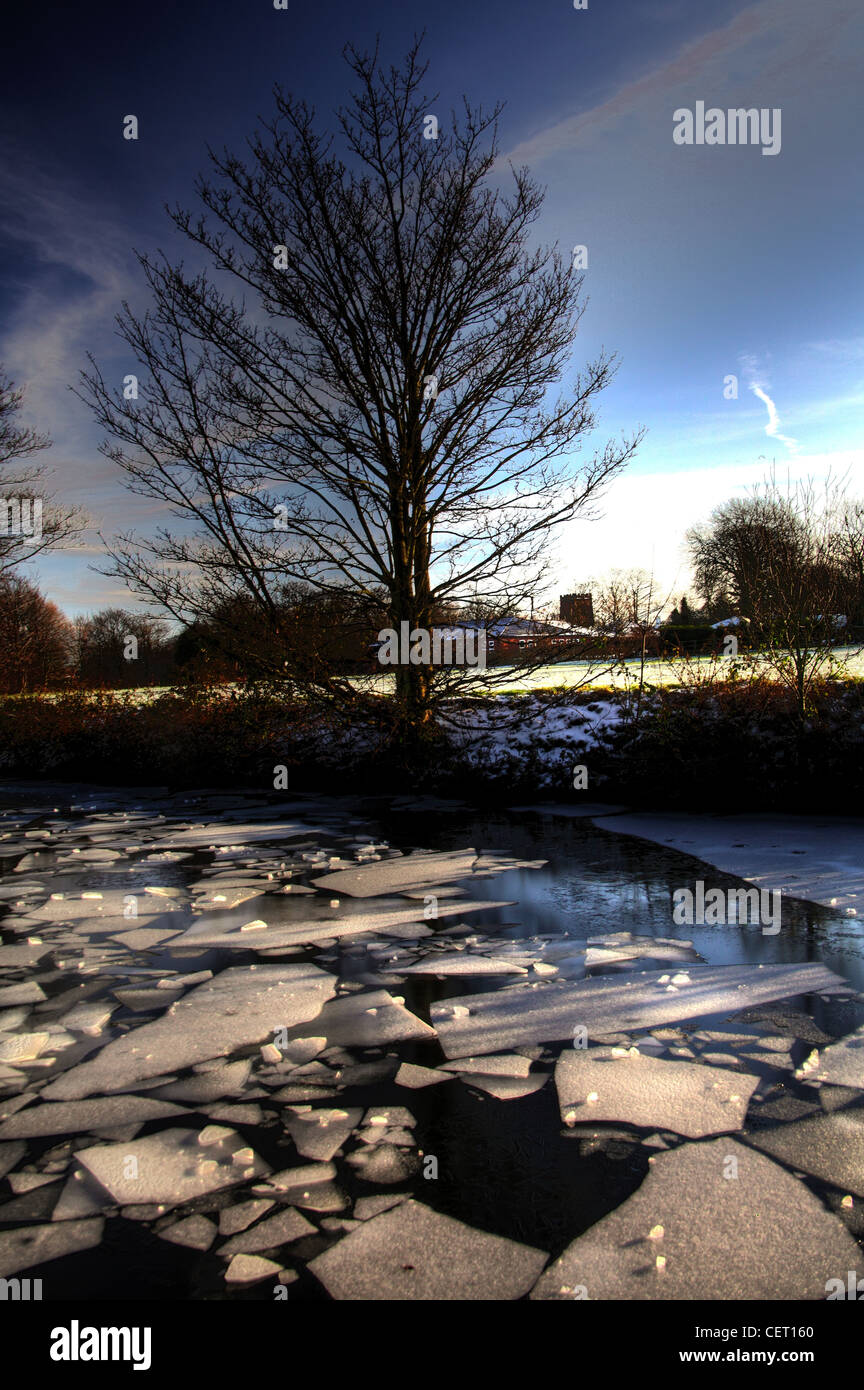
416, 1078
243, 1005
170, 1167
400, 1138
314, 1197
616, 955
23, 953
437, 963
412, 1253
27, 993
624, 945
684, 1097
11, 1019
209, 1086
413, 872
79, 1116
195, 1232
367, 1207
240, 1216
281, 1229
223, 897
35, 1245
104, 911
319, 1133
505, 1087
29, 1181
146, 1000
32, 1207
225, 834
143, 938
549, 1011
841, 1064
250, 1269
817, 858
506, 1064
392, 920
385, 1163
10, 1157
306, 1175
389, 1116
777, 1240
830, 1147
786, 1020
89, 1017
303, 1050
368, 1020
22, 1047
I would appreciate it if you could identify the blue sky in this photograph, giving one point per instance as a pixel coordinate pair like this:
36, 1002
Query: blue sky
702, 260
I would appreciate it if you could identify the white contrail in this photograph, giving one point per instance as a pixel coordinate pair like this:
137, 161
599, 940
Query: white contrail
773, 426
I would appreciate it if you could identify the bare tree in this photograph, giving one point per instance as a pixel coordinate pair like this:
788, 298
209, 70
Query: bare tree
731, 553
848, 550
797, 605
381, 418
777, 551
631, 604
625, 599
30, 521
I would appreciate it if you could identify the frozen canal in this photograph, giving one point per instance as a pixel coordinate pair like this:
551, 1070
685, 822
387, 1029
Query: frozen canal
412, 1050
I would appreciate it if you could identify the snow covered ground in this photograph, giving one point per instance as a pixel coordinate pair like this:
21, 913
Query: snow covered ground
568, 675
505, 739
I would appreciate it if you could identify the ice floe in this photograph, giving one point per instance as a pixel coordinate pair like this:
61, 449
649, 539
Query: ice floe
550, 1011
818, 858
242, 1005
684, 1097
170, 1167
734, 1225
36, 1245
830, 1147
80, 1116
412, 1253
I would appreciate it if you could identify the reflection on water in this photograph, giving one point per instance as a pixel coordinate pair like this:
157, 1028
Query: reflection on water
597, 882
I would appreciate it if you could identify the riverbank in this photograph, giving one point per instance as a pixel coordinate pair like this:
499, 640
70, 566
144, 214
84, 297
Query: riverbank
718, 747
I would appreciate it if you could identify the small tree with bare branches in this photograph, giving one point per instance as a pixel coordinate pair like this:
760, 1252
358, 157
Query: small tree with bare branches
30, 520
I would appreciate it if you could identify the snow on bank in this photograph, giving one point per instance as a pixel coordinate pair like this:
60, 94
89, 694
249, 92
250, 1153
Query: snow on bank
511, 739
817, 858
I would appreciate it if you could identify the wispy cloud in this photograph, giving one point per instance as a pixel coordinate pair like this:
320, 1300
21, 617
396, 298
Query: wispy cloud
77, 264
838, 349
632, 95
72, 266
707, 60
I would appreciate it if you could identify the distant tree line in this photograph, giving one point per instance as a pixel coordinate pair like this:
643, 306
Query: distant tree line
119, 648
789, 563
